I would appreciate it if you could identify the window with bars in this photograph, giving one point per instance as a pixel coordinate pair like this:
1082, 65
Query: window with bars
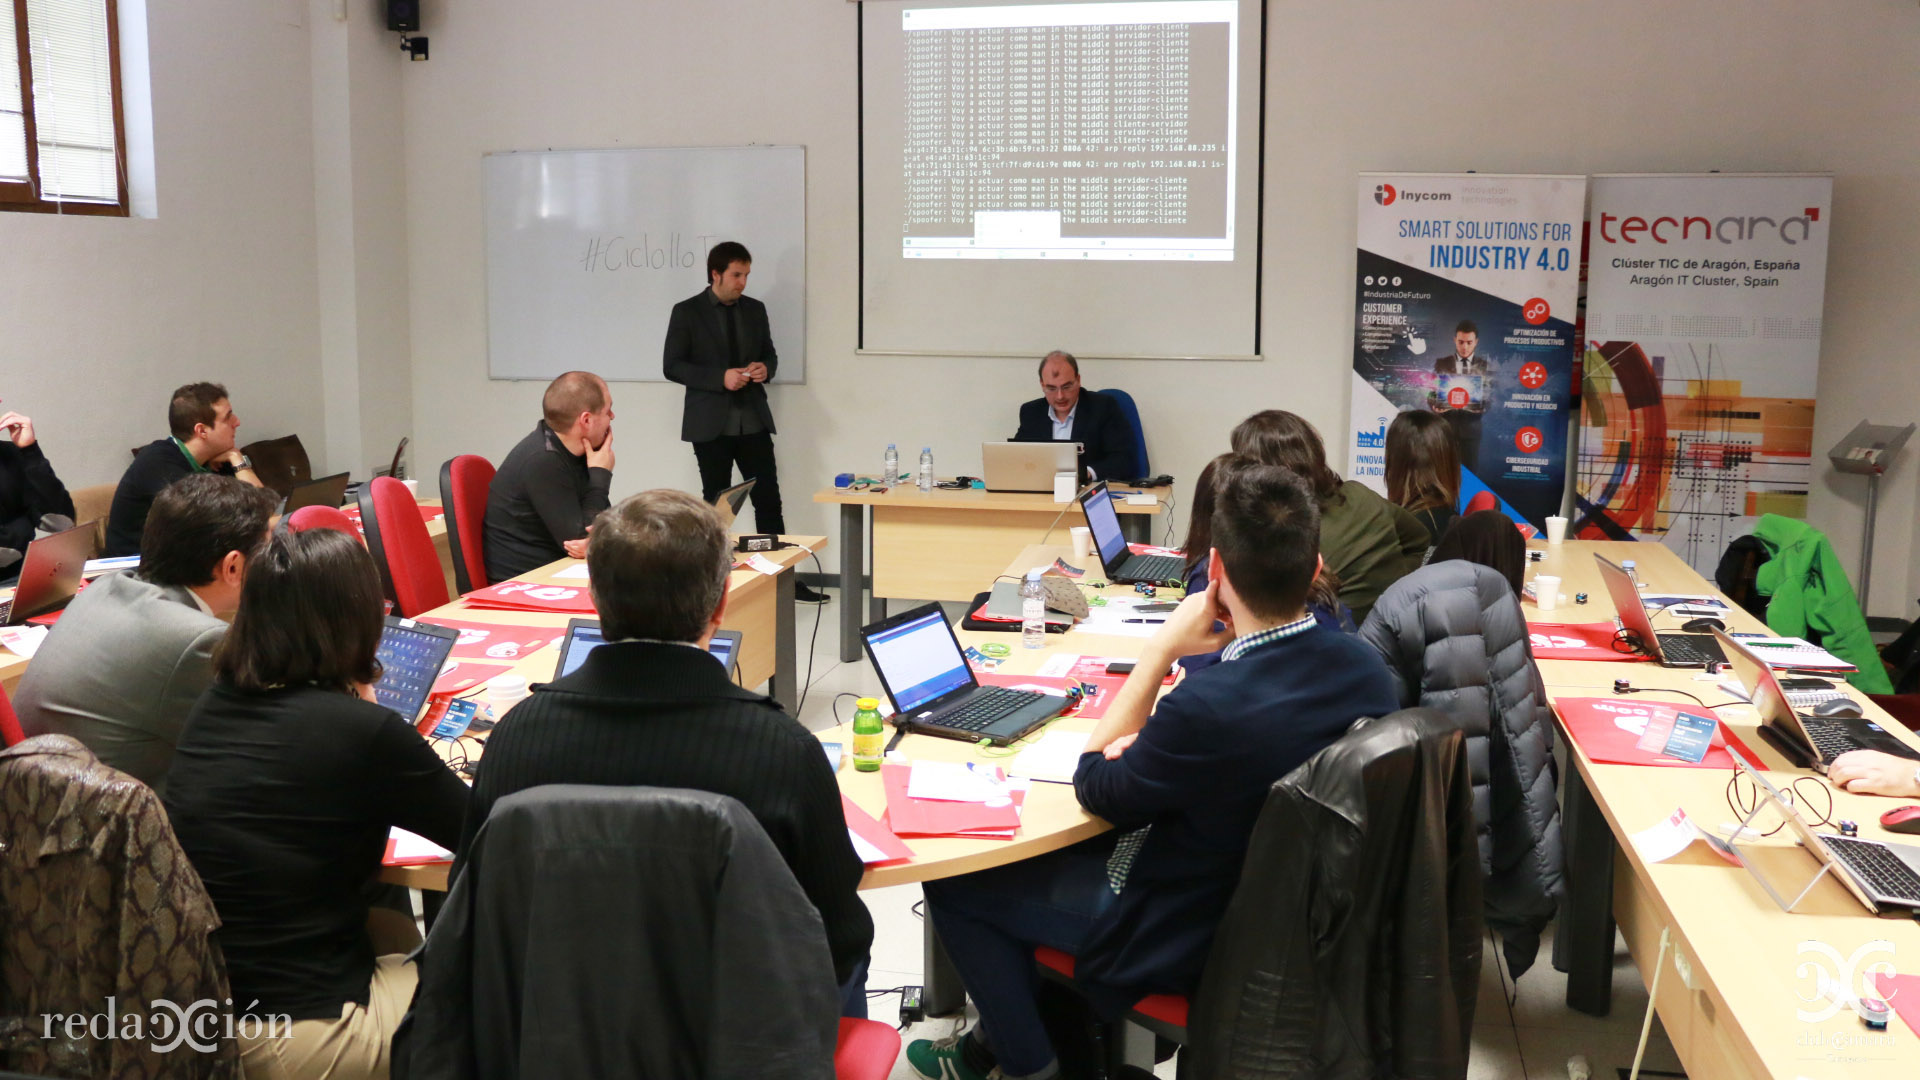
62, 136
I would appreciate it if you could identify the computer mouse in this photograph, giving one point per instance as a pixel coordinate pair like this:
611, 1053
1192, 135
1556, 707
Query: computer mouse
1903, 819
1839, 707
1701, 626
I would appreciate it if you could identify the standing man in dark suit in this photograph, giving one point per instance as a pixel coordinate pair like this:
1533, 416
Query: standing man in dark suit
1069, 414
720, 348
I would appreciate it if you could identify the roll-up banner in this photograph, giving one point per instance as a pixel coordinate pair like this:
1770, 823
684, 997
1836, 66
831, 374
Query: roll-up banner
1465, 291
1704, 301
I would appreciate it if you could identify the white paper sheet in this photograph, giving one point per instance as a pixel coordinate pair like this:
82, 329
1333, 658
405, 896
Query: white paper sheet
1054, 758
408, 845
577, 572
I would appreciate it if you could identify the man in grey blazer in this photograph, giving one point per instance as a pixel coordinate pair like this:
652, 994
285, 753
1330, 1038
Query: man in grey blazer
133, 652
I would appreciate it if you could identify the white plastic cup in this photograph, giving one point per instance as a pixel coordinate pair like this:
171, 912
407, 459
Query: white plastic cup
1556, 529
413, 487
1082, 542
1546, 592
506, 691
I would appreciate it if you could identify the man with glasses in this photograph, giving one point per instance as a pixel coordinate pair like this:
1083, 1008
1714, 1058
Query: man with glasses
1066, 414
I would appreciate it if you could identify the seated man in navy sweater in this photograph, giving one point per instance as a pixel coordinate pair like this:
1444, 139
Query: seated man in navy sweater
1182, 782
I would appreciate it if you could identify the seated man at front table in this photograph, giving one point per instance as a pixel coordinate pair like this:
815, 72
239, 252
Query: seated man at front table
553, 481
1069, 414
133, 652
1182, 787
652, 707
204, 428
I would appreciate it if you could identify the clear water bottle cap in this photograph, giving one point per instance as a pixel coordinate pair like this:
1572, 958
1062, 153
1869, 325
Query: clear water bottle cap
1036, 573
891, 446
926, 449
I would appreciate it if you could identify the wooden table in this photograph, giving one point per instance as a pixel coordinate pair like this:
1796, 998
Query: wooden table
1729, 1002
948, 544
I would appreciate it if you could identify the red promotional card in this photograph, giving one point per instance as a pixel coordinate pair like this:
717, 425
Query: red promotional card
1577, 641
1902, 992
532, 596
464, 675
908, 816
1609, 730
1095, 667
496, 641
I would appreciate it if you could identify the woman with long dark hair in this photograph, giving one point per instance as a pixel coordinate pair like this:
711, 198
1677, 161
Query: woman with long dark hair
1423, 471
287, 779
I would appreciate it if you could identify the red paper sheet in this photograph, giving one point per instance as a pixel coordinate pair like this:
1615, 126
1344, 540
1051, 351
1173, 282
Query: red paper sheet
1095, 667
466, 675
908, 816
532, 596
1152, 549
868, 828
496, 641
1607, 729
1578, 641
1902, 993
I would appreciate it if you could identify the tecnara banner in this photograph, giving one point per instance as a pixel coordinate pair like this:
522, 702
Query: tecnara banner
1465, 292
1704, 301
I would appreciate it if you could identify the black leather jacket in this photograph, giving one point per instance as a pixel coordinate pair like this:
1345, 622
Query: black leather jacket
1352, 946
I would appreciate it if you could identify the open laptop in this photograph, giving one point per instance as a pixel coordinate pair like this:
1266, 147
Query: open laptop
583, 636
411, 656
1671, 650
1878, 874
1122, 566
49, 574
1027, 466
1819, 739
932, 689
326, 491
728, 503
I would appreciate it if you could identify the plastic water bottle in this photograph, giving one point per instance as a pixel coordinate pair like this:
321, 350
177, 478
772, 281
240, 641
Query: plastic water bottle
1633, 572
891, 474
1033, 611
926, 468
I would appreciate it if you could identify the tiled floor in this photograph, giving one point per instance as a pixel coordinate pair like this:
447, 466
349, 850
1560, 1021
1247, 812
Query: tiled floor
1520, 1031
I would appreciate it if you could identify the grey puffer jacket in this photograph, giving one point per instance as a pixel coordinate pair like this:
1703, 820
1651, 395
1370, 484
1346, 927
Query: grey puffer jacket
1453, 636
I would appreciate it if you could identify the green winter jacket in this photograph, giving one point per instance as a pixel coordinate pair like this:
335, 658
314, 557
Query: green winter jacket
1812, 598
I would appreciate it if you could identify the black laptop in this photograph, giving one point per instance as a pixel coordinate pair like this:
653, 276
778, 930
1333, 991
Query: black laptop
411, 656
584, 636
1819, 739
1123, 567
326, 491
933, 691
1670, 650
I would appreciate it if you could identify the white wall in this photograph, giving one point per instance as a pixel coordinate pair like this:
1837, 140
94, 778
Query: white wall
1562, 86
103, 317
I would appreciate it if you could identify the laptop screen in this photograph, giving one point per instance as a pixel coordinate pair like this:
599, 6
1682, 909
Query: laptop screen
1627, 605
1762, 686
1105, 523
918, 660
584, 636
410, 658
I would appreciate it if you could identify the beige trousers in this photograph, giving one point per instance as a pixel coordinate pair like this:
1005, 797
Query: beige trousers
358, 1046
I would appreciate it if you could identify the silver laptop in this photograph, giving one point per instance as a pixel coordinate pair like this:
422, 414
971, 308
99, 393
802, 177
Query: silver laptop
1671, 650
728, 503
1878, 874
1027, 466
1819, 738
49, 575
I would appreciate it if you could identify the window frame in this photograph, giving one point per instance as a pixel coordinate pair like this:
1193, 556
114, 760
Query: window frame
25, 197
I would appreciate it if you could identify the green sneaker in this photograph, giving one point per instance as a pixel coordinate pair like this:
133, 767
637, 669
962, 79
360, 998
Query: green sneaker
945, 1059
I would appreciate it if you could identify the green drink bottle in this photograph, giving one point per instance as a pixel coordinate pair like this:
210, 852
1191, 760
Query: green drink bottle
869, 735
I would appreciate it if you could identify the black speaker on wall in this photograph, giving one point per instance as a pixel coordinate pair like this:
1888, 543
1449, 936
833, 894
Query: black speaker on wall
403, 15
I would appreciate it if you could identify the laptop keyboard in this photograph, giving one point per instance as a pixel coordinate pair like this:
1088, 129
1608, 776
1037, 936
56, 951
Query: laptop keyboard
1154, 568
982, 710
1682, 649
1874, 864
1829, 738
6, 610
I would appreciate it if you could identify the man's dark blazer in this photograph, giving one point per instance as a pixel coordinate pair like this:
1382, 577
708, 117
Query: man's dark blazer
1099, 425
696, 358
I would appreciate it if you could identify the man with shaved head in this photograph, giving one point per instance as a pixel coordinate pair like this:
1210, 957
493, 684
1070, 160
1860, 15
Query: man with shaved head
554, 481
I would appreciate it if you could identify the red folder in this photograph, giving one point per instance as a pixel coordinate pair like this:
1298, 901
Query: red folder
868, 828
533, 596
1578, 641
1608, 729
416, 859
908, 816
496, 641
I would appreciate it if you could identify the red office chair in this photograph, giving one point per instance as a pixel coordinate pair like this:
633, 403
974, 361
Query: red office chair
322, 517
10, 733
464, 483
409, 568
866, 1050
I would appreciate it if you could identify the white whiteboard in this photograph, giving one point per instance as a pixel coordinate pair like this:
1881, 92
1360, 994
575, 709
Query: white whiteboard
588, 251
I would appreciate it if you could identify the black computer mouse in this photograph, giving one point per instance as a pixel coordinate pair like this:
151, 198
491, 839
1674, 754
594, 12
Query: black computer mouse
1838, 707
1702, 625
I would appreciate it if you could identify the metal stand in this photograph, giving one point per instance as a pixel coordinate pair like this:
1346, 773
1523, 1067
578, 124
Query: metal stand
1867, 451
